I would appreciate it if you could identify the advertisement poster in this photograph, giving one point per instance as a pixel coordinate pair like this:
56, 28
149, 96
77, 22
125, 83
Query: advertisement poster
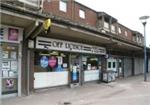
52, 61
14, 65
10, 83
60, 60
5, 54
13, 34
44, 61
5, 73
6, 65
13, 54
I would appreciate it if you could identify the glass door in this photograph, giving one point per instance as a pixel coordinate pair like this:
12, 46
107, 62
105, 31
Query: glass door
75, 68
9, 68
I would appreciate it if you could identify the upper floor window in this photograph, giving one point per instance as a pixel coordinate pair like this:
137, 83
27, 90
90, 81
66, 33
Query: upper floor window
126, 33
119, 30
63, 6
106, 25
82, 14
112, 28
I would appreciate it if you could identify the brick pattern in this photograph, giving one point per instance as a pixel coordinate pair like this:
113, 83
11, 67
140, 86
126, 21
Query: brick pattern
73, 14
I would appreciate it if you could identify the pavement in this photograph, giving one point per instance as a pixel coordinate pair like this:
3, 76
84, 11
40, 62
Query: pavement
127, 91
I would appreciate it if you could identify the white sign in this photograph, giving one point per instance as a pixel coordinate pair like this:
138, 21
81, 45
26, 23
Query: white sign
60, 60
54, 44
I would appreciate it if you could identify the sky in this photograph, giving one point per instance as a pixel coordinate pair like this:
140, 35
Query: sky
127, 12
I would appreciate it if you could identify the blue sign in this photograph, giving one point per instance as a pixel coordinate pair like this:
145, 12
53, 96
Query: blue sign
44, 61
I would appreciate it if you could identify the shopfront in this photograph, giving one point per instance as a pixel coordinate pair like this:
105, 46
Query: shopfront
115, 64
59, 62
10, 38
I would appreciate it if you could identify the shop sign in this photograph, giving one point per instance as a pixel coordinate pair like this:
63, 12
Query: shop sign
54, 44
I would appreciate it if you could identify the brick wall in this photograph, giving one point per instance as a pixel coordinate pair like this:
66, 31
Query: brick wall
72, 11
122, 34
73, 15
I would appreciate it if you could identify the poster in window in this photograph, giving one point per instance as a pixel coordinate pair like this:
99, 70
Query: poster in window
10, 83
13, 54
44, 61
52, 61
64, 65
5, 73
6, 65
14, 65
13, 34
60, 60
5, 54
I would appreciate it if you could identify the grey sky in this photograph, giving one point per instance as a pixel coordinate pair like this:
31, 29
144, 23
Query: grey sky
126, 11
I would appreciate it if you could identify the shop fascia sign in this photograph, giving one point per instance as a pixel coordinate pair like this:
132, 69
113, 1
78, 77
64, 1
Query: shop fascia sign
61, 45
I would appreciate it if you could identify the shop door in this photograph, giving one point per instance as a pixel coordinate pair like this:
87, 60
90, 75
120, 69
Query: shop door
112, 65
75, 69
9, 82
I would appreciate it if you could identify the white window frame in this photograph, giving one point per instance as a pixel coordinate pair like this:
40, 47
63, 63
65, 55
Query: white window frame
63, 6
82, 14
119, 30
113, 30
106, 25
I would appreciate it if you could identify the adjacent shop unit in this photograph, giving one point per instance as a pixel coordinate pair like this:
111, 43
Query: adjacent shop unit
11, 38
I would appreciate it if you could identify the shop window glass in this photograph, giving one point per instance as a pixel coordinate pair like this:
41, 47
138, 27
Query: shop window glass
51, 61
109, 64
114, 64
120, 64
90, 63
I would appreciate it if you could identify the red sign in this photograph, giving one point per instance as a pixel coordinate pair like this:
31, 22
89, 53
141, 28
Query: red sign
52, 61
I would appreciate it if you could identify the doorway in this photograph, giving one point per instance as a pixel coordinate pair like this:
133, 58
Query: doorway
75, 69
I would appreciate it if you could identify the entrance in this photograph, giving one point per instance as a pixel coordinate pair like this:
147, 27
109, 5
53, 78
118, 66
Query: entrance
9, 69
75, 69
115, 65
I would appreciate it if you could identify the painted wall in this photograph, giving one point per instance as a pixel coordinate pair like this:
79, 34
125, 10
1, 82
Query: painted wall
138, 66
127, 67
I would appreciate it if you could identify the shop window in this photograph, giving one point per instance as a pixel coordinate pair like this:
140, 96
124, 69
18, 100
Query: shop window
90, 63
63, 6
120, 64
82, 14
51, 61
109, 64
114, 64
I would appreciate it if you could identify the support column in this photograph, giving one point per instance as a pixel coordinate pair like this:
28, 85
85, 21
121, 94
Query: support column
0, 71
24, 66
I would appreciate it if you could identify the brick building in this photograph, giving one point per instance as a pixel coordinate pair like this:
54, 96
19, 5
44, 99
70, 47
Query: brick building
80, 45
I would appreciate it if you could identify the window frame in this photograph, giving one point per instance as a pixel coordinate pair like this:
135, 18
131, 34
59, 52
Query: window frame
119, 30
63, 6
82, 13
